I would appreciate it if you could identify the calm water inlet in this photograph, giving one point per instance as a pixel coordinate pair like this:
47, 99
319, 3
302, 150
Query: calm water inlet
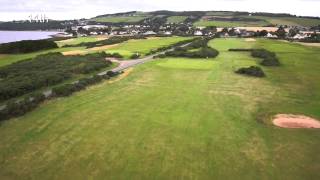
11, 36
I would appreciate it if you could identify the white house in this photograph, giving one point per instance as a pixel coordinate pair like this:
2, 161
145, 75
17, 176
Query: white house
300, 36
269, 35
198, 33
93, 33
149, 33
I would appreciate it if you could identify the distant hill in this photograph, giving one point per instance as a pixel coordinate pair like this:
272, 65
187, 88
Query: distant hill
210, 18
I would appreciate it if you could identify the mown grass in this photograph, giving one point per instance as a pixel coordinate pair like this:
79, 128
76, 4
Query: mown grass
176, 119
79, 40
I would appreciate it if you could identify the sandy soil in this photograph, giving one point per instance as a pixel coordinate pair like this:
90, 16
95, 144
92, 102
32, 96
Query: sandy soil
103, 37
3, 55
121, 76
75, 52
309, 44
295, 121
250, 40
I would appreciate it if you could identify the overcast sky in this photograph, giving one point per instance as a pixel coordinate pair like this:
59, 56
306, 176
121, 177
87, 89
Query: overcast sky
74, 9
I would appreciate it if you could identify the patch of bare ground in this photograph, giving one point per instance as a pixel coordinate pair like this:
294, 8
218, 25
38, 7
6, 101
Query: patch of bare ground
309, 44
75, 52
295, 121
249, 40
121, 76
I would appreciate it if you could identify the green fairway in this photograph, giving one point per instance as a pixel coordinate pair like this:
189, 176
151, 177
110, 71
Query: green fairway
79, 40
144, 46
176, 118
176, 19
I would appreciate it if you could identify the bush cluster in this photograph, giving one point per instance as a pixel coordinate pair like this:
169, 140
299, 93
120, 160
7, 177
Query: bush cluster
269, 58
135, 56
161, 49
45, 70
251, 71
26, 46
114, 55
239, 50
199, 43
204, 52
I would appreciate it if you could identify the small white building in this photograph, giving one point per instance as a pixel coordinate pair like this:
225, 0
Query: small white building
269, 35
198, 33
300, 36
93, 33
149, 33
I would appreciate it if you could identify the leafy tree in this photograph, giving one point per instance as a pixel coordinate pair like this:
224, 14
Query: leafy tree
281, 32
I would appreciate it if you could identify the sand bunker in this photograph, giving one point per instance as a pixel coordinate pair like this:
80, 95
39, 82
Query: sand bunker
295, 121
121, 76
250, 40
310, 44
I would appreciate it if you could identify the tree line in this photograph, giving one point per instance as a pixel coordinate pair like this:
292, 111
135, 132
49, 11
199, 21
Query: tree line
200, 43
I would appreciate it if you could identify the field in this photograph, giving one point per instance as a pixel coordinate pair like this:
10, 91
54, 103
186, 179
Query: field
79, 40
229, 23
290, 21
120, 19
176, 19
143, 46
176, 118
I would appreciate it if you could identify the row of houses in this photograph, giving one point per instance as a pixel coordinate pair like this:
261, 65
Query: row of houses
143, 29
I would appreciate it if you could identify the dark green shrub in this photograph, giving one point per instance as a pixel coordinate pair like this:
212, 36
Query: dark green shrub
135, 56
251, 71
64, 90
26, 46
269, 58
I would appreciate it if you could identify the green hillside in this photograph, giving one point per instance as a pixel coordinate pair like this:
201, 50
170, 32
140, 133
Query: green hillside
212, 18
